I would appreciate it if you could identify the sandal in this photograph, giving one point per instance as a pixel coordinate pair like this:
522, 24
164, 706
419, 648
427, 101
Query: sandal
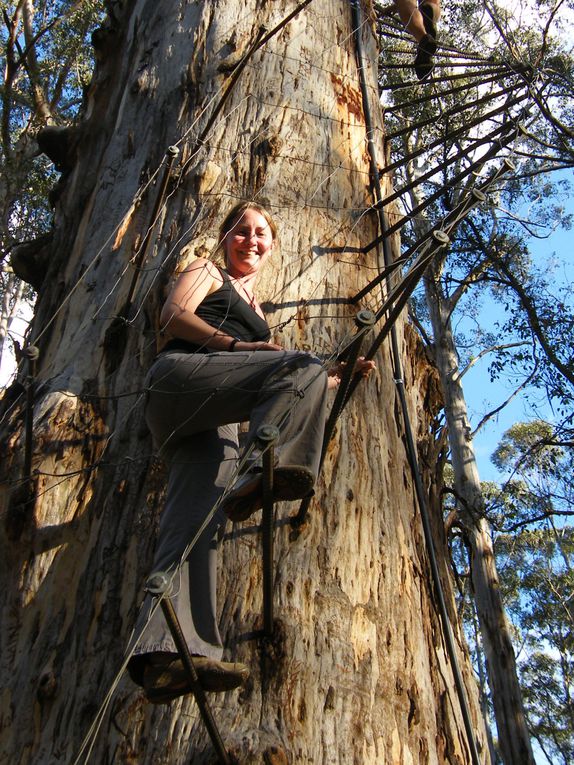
290, 482
166, 679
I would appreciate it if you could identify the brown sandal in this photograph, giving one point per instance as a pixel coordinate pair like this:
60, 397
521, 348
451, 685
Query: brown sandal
290, 482
167, 679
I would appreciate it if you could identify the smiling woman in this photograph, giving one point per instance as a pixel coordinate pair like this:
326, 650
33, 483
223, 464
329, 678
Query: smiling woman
219, 368
248, 243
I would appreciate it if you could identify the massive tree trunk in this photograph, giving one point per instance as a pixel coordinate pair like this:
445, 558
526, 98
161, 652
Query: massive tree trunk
360, 669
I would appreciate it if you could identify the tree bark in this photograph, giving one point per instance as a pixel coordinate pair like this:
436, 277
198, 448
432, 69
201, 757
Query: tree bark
360, 673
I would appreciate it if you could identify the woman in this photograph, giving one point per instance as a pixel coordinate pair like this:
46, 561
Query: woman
219, 368
420, 19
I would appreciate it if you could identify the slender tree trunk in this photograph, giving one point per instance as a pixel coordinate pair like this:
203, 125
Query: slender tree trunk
513, 735
360, 673
12, 291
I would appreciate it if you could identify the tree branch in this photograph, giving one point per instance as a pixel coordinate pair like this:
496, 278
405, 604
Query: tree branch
533, 318
535, 519
39, 95
486, 351
498, 409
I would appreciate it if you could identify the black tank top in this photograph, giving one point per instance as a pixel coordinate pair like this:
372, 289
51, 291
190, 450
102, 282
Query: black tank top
225, 310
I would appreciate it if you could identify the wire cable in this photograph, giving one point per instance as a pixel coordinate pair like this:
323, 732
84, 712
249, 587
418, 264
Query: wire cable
411, 450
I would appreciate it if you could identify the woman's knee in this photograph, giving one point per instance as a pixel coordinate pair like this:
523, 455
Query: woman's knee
311, 371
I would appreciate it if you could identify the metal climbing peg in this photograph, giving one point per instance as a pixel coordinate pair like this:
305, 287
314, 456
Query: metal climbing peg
159, 585
441, 237
364, 321
267, 435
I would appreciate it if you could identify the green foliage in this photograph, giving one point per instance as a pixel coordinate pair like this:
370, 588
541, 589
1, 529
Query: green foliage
538, 584
534, 550
46, 55
539, 464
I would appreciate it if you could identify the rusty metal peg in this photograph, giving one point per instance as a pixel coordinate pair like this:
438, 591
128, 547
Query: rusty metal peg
267, 435
364, 321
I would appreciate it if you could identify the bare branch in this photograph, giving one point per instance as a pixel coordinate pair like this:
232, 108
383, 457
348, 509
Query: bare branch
498, 409
486, 351
533, 318
528, 522
40, 99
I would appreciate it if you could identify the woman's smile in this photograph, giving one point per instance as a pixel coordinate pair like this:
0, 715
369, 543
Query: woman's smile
248, 244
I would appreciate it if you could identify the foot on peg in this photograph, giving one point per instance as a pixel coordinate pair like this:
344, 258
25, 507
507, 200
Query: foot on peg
290, 482
165, 678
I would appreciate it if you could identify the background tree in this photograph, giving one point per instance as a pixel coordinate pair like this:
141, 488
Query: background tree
532, 511
360, 672
46, 59
502, 84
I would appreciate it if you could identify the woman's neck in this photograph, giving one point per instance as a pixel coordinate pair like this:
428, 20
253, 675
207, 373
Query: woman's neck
247, 281
244, 286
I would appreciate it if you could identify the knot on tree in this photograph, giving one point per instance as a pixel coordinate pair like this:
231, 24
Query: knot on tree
103, 41
256, 746
20, 513
47, 686
59, 144
30, 260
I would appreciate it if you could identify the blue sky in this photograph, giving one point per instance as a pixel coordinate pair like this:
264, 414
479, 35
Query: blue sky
481, 394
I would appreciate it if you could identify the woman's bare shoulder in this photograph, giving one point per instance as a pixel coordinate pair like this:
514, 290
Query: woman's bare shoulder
202, 264
201, 268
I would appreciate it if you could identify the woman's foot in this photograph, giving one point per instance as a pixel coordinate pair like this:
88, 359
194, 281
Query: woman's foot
165, 678
423, 60
428, 44
290, 482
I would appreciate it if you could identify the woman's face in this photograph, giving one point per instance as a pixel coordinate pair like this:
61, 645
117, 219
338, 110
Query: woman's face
248, 244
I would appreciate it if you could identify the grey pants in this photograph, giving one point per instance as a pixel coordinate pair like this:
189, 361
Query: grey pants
194, 403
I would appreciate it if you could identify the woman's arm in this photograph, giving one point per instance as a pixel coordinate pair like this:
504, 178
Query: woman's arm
178, 315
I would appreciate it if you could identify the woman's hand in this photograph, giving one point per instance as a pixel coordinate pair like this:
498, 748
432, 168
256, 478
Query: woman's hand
242, 345
363, 366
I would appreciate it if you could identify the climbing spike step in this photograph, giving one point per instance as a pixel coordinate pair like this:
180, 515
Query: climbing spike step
159, 585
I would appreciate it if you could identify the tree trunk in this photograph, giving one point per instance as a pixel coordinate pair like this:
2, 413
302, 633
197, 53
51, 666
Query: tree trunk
360, 673
513, 735
12, 291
